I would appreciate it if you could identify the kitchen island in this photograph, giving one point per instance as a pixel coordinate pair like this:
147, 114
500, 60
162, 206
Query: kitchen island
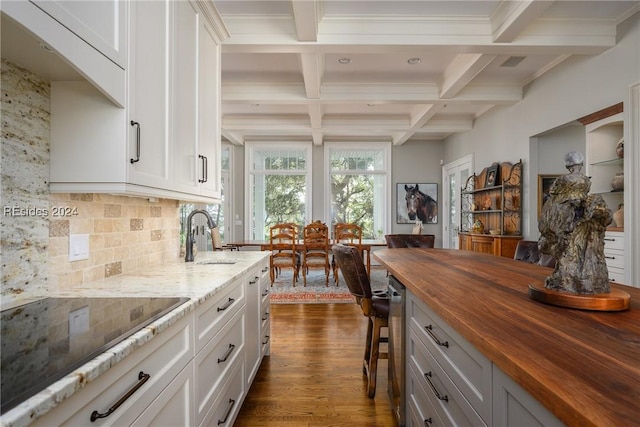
225, 317
583, 367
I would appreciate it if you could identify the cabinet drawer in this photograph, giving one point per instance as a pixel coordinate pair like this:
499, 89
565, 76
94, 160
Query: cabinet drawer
616, 274
613, 240
265, 338
448, 401
229, 400
469, 370
217, 358
614, 258
421, 412
215, 312
162, 358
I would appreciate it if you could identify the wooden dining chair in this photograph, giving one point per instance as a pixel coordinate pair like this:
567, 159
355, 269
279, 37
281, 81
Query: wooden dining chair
374, 308
216, 241
348, 234
315, 251
282, 243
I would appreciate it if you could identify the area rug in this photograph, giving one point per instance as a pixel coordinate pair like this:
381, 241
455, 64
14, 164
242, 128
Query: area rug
316, 292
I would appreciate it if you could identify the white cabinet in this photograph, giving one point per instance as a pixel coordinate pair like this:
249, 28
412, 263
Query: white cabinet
257, 326
603, 163
152, 147
162, 359
614, 255
197, 168
102, 24
90, 36
449, 382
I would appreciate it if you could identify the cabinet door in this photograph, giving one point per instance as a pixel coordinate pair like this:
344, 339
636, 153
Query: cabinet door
149, 90
209, 110
482, 244
185, 107
174, 406
102, 24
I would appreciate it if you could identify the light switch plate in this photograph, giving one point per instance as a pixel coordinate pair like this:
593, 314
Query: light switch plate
78, 247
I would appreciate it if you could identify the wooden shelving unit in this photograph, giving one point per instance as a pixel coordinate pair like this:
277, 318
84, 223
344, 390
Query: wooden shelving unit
497, 207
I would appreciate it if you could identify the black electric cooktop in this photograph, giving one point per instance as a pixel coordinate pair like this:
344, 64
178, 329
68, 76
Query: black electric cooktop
45, 340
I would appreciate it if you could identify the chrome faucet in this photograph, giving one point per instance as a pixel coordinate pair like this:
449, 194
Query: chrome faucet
188, 257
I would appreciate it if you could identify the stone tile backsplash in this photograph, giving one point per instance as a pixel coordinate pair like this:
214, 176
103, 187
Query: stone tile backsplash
125, 233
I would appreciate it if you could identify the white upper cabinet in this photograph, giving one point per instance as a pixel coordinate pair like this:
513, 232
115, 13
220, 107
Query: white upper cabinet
102, 24
197, 104
154, 147
91, 36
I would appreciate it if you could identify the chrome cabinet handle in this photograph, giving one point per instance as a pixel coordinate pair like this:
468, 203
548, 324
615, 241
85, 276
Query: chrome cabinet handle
428, 376
137, 159
142, 378
227, 354
429, 329
232, 403
227, 304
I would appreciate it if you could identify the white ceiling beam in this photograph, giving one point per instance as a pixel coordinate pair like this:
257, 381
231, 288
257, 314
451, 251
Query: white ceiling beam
312, 66
511, 18
235, 139
305, 16
315, 115
419, 116
461, 72
362, 93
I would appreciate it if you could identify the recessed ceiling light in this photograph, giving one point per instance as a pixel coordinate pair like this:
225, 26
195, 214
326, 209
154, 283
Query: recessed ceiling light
414, 61
344, 60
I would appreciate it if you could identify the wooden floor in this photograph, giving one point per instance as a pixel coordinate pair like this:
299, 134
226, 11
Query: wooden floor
314, 374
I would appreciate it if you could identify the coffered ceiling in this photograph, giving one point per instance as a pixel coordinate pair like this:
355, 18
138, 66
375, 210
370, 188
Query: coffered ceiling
393, 70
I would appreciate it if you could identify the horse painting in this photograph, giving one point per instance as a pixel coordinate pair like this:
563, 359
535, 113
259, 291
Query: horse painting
420, 205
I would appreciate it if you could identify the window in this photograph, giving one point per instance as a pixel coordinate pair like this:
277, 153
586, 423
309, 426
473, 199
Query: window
359, 181
279, 186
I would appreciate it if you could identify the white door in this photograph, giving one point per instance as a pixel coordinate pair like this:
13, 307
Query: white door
454, 176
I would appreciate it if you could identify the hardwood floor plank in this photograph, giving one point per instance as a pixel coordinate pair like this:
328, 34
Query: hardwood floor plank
314, 377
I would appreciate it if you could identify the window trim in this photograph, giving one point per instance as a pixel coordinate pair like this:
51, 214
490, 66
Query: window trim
249, 172
347, 146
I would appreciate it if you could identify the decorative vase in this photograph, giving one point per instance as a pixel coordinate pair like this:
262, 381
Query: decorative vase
618, 216
620, 148
617, 183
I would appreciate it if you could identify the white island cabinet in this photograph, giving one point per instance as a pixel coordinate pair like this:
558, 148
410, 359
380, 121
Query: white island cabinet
166, 141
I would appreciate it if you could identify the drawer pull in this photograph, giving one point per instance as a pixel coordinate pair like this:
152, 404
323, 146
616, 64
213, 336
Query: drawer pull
610, 257
227, 305
265, 293
227, 354
142, 378
254, 281
428, 376
609, 239
265, 269
429, 329
266, 339
265, 316
232, 403
427, 422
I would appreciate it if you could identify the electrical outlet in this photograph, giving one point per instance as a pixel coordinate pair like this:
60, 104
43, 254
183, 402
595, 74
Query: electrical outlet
78, 247
79, 321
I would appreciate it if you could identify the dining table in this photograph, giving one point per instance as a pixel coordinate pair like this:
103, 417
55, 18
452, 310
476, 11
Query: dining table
366, 247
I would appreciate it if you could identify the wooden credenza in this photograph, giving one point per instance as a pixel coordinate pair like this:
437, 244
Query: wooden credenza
486, 243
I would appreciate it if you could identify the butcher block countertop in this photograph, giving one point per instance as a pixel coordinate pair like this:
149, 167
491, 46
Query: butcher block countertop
583, 366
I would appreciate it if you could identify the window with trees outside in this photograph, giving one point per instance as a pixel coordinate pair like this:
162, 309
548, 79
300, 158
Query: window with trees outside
359, 179
279, 186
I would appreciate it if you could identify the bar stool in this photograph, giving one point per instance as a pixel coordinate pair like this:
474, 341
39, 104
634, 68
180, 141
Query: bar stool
375, 309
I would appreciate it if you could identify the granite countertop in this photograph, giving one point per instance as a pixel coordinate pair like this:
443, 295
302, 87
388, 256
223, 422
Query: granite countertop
198, 281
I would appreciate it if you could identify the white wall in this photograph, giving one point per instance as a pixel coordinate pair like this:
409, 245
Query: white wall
579, 86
